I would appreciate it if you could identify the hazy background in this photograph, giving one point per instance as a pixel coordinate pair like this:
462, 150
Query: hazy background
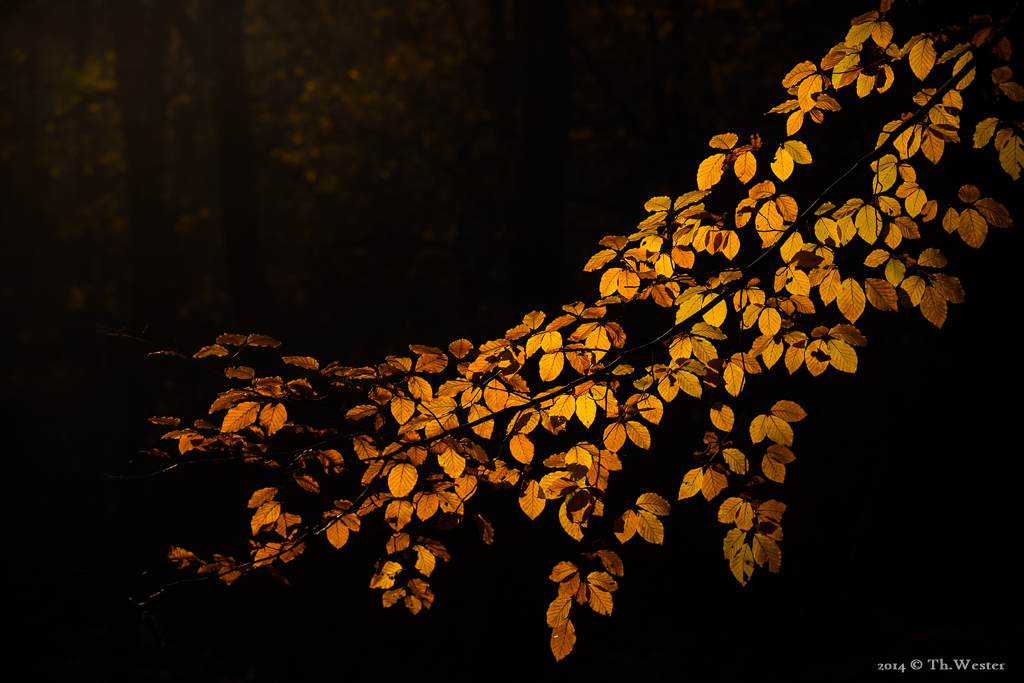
352, 177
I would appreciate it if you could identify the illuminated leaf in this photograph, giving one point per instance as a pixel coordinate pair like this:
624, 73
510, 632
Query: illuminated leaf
650, 527
922, 58
240, 416
714, 482
654, 504
771, 427
267, 513
722, 416
214, 350
402, 479
692, 482
273, 417
788, 411
710, 171
563, 638
881, 294
302, 361
262, 340
530, 500
851, 299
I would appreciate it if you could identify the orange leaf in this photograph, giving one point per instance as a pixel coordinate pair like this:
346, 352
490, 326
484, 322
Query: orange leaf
241, 416
302, 361
563, 638
273, 417
402, 479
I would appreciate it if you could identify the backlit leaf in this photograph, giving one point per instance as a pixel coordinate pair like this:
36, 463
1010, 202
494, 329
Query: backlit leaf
402, 479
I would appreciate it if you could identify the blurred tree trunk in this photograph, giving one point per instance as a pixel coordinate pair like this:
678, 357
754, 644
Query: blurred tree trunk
536, 236
141, 36
237, 160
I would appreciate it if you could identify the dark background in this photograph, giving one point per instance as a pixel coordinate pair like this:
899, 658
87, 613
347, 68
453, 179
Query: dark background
352, 177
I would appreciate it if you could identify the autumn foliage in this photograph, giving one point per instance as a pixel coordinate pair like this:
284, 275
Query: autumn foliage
422, 434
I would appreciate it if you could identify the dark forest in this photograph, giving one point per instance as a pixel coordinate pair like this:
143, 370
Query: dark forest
352, 177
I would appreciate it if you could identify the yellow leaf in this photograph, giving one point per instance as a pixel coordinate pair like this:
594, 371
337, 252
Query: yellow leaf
654, 504
530, 499
402, 479
624, 526
724, 141
772, 427
521, 448
984, 131
1011, 156
850, 299
736, 461
798, 73
650, 527
973, 228
881, 294
692, 482
614, 436
551, 365
922, 58
843, 356
714, 483
798, 150
858, 33
794, 122
563, 638
708, 173
788, 411
638, 434
782, 167
722, 416
745, 167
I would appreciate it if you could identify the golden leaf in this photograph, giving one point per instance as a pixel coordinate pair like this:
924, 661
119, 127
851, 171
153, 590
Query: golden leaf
922, 58
782, 166
654, 504
881, 294
933, 306
240, 416
650, 528
563, 638
745, 167
302, 361
788, 411
724, 141
714, 482
213, 350
402, 479
267, 513
273, 417
722, 416
710, 171
638, 434
984, 131
692, 482
850, 299
614, 436
735, 460
530, 500
337, 534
